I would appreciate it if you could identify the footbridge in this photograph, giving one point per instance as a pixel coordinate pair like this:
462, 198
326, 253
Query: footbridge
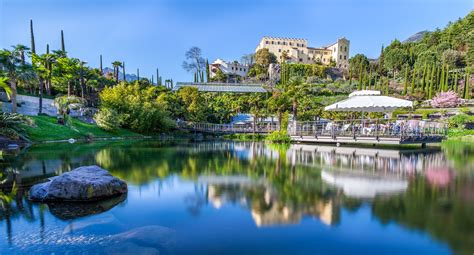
366, 131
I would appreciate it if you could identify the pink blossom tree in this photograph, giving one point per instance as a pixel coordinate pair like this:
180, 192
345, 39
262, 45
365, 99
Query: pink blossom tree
445, 100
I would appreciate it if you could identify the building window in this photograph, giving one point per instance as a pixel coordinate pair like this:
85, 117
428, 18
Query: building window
324, 59
278, 42
291, 44
273, 42
345, 49
301, 60
334, 49
340, 48
266, 42
345, 57
339, 65
240, 69
340, 56
279, 50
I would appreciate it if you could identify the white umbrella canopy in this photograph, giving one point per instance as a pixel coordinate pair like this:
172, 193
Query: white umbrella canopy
369, 101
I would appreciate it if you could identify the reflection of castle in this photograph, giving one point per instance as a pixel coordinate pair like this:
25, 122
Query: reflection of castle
264, 203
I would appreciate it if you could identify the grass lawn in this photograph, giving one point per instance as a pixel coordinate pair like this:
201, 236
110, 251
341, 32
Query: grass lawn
47, 129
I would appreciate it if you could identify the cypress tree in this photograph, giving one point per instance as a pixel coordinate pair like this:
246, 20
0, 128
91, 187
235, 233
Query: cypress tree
432, 82
387, 87
438, 76
423, 81
100, 66
466, 86
350, 75
123, 70
138, 74
208, 71
413, 82
381, 61
360, 77
456, 87
405, 86
370, 79
33, 48
152, 82
63, 48
446, 82
441, 81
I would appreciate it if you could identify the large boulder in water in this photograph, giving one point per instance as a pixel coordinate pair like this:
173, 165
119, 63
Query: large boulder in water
87, 183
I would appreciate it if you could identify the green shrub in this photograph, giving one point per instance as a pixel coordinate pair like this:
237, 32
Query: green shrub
460, 120
278, 137
139, 108
107, 119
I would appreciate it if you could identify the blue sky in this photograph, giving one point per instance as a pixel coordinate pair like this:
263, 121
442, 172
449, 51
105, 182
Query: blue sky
150, 34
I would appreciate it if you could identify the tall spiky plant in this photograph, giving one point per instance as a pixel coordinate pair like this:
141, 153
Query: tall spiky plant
63, 47
32, 35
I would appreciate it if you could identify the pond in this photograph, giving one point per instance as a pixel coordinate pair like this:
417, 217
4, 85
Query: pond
225, 197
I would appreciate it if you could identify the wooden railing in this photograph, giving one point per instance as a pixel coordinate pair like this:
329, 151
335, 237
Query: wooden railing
369, 128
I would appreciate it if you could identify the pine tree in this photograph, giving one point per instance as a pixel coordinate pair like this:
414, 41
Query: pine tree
63, 48
413, 81
33, 48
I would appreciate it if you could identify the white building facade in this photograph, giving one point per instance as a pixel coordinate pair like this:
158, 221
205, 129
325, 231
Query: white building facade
296, 50
228, 68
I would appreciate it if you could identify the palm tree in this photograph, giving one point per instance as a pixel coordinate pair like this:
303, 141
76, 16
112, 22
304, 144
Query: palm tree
21, 49
43, 68
117, 65
11, 64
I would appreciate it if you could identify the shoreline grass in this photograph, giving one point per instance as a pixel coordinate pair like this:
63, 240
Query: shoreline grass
46, 128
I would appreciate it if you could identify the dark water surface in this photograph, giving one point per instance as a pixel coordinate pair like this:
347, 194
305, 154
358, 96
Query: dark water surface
246, 198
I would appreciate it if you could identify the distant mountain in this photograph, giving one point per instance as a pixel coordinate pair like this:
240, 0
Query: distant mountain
128, 77
416, 37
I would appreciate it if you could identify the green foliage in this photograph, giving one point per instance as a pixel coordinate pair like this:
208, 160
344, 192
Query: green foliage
12, 124
264, 58
107, 119
138, 108
278, 137
460, 120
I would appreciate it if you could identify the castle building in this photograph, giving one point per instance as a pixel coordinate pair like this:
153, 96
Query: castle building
296, 50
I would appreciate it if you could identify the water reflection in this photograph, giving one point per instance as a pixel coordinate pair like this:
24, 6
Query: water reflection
427, 190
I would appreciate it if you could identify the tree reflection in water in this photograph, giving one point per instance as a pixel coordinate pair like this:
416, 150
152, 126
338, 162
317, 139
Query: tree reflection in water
278, 185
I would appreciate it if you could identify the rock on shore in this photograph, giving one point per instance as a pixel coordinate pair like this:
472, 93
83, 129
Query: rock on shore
87, 183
